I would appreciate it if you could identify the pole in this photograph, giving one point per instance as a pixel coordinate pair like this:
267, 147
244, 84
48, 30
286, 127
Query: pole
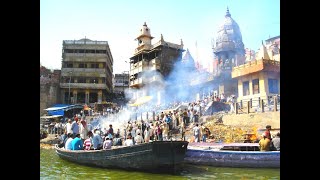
123, 82
69, 90
69, 98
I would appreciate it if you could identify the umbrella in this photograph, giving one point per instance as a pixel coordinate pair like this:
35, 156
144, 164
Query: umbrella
141, 101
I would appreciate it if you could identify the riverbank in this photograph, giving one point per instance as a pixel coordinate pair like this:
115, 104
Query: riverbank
223, 126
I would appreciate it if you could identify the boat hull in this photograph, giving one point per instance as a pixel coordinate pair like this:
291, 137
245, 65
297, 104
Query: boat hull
223, 158
146, 156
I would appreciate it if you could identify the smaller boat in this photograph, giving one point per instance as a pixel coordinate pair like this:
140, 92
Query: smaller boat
156, 155
232, 155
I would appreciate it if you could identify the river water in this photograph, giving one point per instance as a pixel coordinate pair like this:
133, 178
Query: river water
52, 167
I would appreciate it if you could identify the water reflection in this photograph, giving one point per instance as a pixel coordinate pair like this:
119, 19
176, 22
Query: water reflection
52, 167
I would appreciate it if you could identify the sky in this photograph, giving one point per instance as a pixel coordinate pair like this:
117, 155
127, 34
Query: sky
119, 23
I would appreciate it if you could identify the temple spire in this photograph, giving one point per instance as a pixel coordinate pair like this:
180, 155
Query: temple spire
228, 13
161, 38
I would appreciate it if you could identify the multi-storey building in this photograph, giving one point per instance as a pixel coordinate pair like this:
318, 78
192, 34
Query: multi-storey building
121, 83
86, 72
147, 57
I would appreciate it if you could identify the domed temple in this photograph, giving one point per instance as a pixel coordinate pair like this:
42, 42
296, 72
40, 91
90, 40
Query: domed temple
229, 49
229, 52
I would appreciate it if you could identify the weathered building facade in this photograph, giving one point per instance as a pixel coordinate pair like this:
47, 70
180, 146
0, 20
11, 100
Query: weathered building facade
86, 71
49, 88
120, 83
159, 57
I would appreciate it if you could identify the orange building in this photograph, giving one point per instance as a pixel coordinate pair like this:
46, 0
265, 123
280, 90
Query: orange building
259, 78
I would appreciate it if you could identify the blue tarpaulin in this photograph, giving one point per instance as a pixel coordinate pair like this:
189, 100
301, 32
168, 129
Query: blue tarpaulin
59, 109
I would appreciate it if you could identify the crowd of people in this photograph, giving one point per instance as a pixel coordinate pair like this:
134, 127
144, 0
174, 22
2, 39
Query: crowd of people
170, 125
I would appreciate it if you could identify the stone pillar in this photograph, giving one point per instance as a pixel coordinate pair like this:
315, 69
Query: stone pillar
262, 106
248, 107
275, 103
237, 107
100, 96
75, 93
63, 97
240, 89
87, 95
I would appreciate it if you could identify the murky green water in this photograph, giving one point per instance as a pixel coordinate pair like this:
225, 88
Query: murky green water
52, 167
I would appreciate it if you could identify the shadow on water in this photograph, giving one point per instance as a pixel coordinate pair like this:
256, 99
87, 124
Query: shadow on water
52, 167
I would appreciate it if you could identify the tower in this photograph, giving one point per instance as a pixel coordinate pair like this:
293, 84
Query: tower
144, 38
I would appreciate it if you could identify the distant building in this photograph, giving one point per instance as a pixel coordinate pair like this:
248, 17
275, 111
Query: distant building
86, 71
121, 83
158, 57
273, 47
250, 55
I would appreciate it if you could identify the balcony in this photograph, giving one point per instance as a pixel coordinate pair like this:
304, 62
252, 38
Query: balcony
83, 85
255, 66
136, 82
139, 69
80, 57
97, 72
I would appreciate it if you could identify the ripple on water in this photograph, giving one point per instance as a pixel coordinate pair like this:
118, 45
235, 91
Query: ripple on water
52, 167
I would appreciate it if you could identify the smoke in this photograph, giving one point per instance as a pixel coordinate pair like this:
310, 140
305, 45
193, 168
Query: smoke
184, 84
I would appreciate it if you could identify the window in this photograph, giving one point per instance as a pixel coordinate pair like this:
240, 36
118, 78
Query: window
93, 80
255, 86
81, 80
69, 65
273, 86
245, 88
95, 65
82, 65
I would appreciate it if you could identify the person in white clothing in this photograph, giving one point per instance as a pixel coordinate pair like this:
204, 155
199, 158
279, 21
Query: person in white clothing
83, 129
138, 139
107, 143
129, 140
68, 127
147, 135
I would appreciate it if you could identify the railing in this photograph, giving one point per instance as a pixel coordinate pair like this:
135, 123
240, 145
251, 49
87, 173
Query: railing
83, 85
257, 105
87, 41
84, 54
65, 71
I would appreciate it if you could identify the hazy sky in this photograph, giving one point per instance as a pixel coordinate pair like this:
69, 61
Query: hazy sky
119, 22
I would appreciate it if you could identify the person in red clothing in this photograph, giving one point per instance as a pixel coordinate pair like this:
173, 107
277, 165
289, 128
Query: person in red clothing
267, 132
87, 144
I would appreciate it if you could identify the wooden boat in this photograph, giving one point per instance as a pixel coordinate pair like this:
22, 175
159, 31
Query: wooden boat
232, 155
157, 155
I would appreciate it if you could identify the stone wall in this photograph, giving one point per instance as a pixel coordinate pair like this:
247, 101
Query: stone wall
259, 119
49, 95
